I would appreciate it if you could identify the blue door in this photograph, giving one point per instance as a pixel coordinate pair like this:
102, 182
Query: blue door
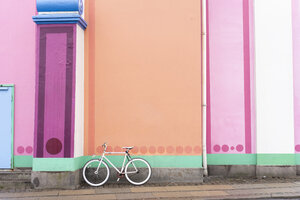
6, 106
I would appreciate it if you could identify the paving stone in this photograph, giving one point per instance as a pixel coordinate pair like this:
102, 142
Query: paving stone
171, 194
215, 187
33, 198
263, 191
286, 195
29, 194
263, 185
148, 189
131, 196
78, 192
208, 193
193, 188
112, 190
97, 197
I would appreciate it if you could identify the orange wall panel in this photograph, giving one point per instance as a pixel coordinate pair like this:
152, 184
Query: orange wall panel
143, 76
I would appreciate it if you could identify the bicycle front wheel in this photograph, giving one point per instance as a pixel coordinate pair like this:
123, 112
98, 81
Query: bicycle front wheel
94, 173
138, 171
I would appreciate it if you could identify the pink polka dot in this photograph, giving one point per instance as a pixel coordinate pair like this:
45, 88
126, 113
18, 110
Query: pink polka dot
197, 149
239, 148
297, 148
152, 149
143, 150
225, 148
29, 149
20, 149
217, 148
170, 149
188, 149
179, 149
232, 147
109, 149
161, 149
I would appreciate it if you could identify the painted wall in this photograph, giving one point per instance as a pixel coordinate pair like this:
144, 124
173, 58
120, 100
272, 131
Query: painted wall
296, 60
230, 113
143, 76
274, 77
17, 64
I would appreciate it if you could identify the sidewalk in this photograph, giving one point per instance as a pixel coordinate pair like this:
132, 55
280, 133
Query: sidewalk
219, 191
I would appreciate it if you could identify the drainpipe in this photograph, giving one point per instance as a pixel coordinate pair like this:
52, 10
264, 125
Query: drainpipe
204, 153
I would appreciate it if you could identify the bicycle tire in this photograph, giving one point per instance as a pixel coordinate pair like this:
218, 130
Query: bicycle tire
92, 177
143, 173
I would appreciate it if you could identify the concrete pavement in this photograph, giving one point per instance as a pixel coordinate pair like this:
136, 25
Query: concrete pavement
224, 191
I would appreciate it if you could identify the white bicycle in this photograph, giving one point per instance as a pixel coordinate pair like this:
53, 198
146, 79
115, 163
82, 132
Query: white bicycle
137, 170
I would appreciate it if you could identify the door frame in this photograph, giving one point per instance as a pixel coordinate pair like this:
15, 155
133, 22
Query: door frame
12, 119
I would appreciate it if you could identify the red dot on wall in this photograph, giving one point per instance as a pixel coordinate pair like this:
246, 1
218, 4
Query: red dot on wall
297, 148
170, 149
29, 149
152, 149
135, 149
197, 149
20, 149
99, 149
109, 149
217, 148
232, 147
188, 149
117, 149
161, 149
143, 149
53, 146
179, 149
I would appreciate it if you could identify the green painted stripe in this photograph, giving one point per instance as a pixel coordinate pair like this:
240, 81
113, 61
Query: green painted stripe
276, 159
57, 164
22, 161
297, 158
231, 159
72, 164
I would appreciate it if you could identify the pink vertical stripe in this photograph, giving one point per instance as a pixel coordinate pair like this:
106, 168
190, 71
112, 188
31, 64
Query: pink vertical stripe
208, 114
226, 77
247, 90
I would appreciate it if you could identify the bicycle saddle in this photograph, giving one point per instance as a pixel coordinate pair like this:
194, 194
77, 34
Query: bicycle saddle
127, 148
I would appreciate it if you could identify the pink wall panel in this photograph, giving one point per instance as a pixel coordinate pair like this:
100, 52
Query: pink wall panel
229, 82
296, 57
17, 64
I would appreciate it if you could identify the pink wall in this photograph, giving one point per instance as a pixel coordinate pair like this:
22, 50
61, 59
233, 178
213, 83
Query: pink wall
17, 66
230, 53
296, 49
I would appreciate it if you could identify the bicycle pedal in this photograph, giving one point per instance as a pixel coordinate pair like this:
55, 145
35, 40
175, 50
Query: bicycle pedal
121, 175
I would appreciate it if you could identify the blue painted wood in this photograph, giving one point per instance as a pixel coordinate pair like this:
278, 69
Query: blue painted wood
5, 128
59, 5
60, 19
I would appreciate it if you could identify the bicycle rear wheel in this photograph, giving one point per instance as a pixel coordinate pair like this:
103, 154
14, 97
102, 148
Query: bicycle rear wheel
138, 171
94, 174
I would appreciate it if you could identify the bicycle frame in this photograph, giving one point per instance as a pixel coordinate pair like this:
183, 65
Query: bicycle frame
126, 155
